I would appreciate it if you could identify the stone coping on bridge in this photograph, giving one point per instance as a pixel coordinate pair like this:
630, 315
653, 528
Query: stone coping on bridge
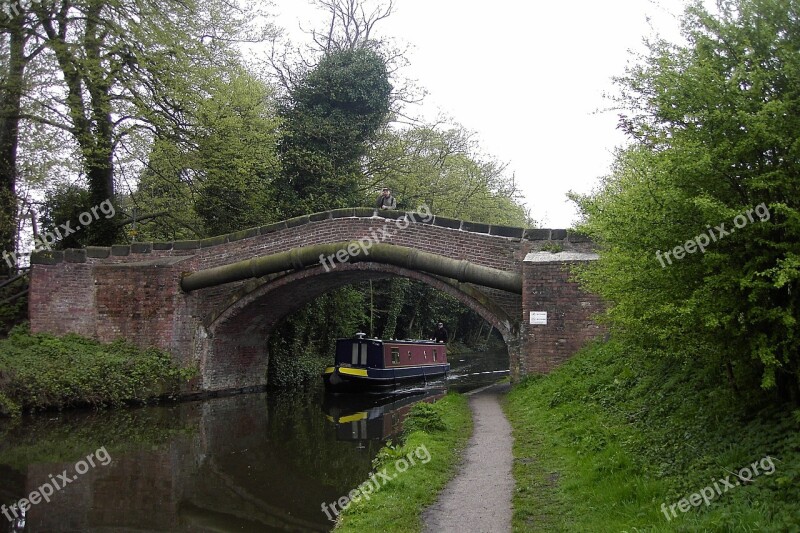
560, 257
81, 255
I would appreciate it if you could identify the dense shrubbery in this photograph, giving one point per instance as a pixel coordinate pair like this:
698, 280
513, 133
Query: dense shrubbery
690, 272
42, 371
15, 311
424, 417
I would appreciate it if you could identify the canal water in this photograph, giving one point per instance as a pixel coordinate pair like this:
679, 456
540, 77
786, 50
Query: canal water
257, 462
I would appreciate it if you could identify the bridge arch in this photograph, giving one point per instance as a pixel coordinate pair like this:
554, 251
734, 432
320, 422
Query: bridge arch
201, 299
233, 340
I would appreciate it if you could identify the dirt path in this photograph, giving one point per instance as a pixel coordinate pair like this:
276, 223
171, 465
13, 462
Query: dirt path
478, 499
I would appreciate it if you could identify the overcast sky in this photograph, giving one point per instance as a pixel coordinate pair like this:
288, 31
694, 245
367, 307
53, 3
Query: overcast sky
529, 78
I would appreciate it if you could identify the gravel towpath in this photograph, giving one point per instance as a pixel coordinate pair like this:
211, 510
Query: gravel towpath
478, 499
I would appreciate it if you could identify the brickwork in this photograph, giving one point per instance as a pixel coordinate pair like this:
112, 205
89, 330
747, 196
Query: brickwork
570, 315
133, 291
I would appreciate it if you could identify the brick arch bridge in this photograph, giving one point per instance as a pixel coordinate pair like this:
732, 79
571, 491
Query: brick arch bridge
214, 302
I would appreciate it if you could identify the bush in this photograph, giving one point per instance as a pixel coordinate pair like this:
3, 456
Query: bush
8, 407
42, 371
424, 417
14, 312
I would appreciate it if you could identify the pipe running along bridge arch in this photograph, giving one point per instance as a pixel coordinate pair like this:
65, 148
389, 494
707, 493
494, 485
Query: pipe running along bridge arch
214, 302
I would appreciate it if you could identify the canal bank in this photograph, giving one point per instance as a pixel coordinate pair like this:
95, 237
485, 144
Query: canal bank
435, 437
41, 371
619, 440
464, 483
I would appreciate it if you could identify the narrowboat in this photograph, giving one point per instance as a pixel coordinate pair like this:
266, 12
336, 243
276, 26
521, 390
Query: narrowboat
364, 364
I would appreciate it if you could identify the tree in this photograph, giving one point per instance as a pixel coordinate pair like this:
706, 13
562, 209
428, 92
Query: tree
445, 169
237, 158
128, 69
715, 126
329, 119
16, 55
352, 25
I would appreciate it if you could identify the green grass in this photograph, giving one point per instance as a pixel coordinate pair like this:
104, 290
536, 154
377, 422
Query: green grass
602, 442
443, 430
46, 372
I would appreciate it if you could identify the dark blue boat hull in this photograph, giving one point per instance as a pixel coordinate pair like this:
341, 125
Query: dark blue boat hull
354, 379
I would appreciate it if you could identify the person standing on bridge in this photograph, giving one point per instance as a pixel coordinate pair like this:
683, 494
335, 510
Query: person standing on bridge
441, 334
386, 200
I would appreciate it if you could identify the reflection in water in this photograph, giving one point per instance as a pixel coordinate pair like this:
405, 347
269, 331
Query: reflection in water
361, 418
262, 462
475, 369
244, 463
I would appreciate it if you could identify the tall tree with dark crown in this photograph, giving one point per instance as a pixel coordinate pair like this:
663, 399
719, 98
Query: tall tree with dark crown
329, 119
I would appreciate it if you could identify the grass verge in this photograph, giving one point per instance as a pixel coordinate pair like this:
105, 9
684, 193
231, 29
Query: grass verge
46, 372
604, 441
436, 434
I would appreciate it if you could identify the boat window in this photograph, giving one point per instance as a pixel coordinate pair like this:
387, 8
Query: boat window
355, 353
425, 353
395, 355
434, 355
409, 355
364, 355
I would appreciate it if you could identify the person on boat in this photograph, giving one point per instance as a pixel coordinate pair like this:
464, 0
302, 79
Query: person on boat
441, 334
386, 200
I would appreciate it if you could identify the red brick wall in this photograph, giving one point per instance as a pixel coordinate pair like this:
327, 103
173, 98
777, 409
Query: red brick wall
61, 299
570, 311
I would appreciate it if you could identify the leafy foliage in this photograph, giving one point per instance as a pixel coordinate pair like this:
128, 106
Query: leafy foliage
716, 136
328, 120
425, 417
301, 345
65, 205
42, 371
218, 179
236, 153
445, 170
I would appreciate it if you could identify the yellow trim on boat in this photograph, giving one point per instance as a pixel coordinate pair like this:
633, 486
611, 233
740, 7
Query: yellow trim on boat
329, 370
353, 418
353, 371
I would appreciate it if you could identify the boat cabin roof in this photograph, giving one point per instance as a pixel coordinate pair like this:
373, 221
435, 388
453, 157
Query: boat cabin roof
389, 341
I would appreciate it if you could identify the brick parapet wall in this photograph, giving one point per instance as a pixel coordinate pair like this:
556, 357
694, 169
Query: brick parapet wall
73, 311
496, 246
571, 313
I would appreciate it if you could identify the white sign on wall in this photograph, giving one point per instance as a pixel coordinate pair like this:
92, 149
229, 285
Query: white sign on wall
539, 318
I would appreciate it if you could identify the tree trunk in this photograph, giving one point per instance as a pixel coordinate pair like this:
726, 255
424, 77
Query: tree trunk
371, 312
10, 106
89, 103
98, 149
100, 174
397, 297
411, 325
